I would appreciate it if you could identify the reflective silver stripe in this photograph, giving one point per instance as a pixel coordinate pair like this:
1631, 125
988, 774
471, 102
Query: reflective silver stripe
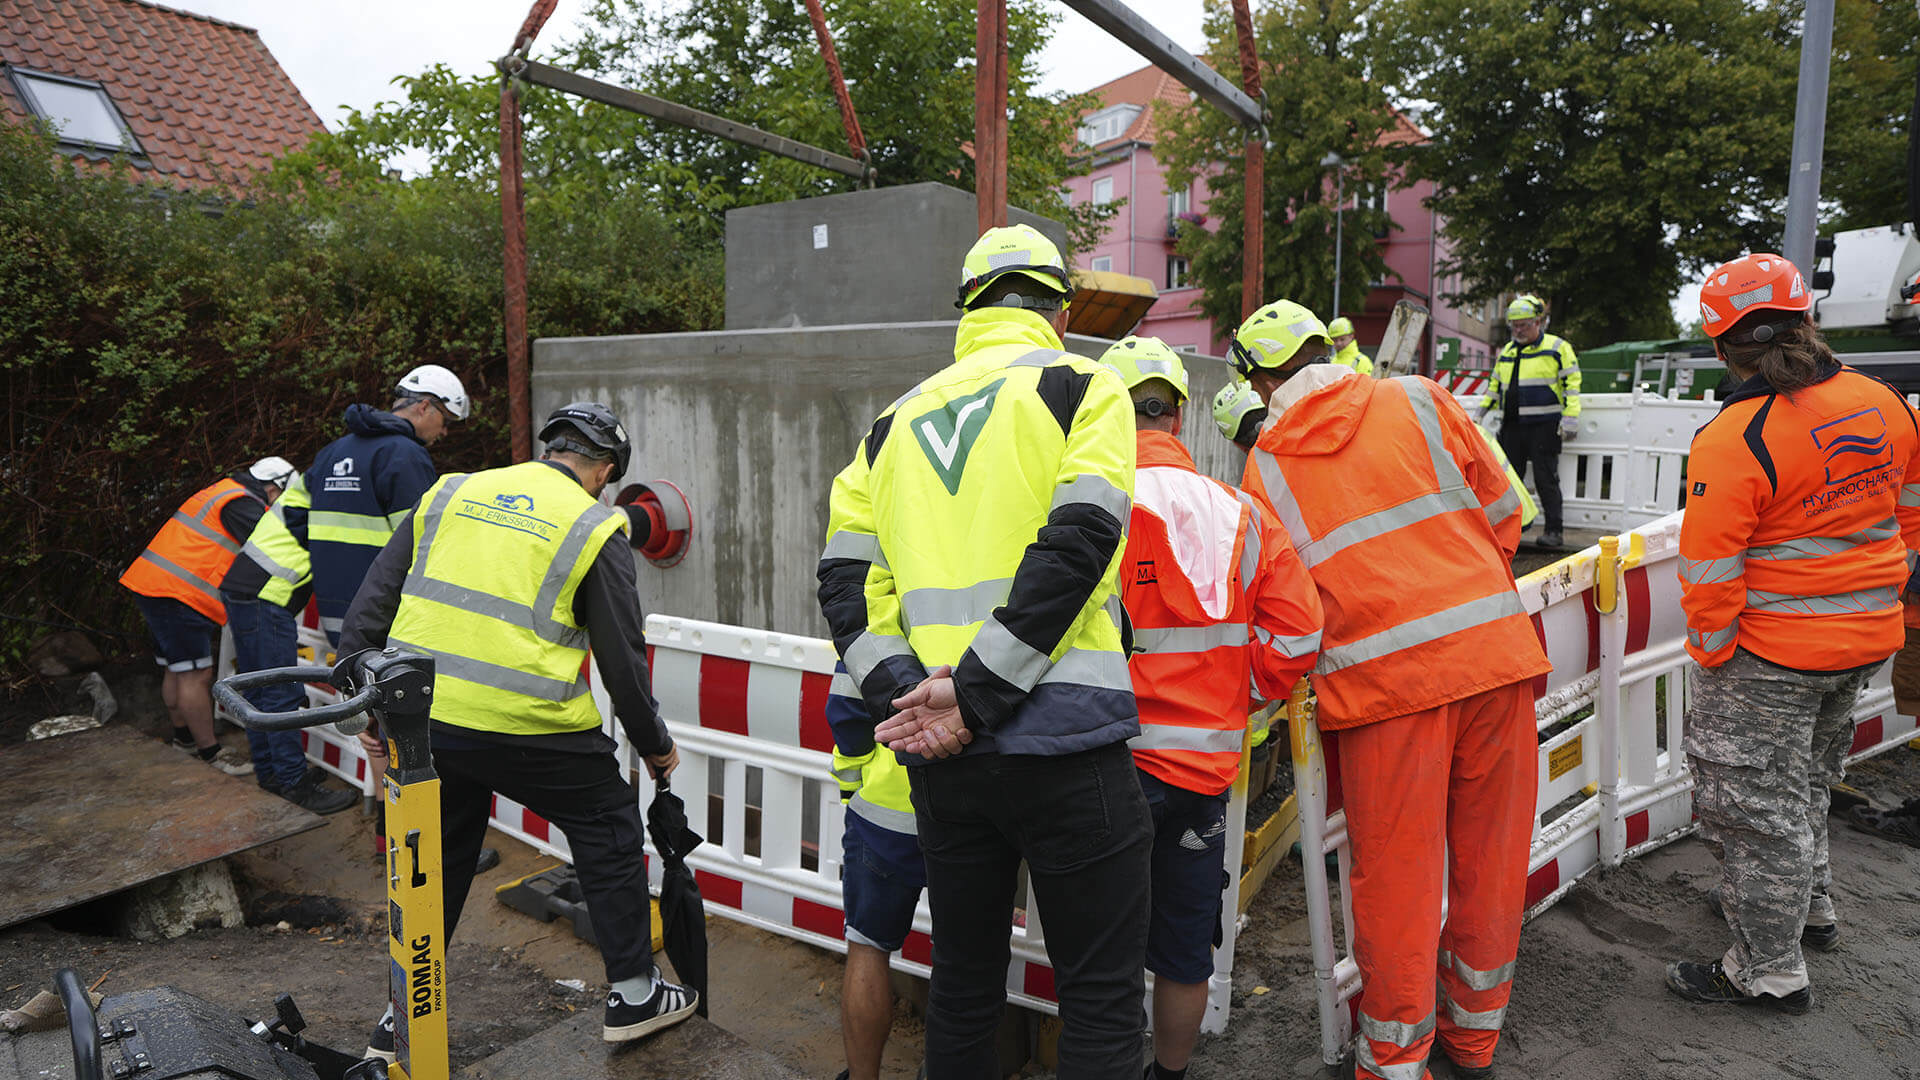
200, 585
1475, 978
1540, 410
1861, 600
1410, 1070
475, 602
869, 650
566, 559
1533, 382
859, 546
1379, 523
1910, 495
1502, 508
267, 563
1293, 648
1172, 737
954, 607
1476, 1021
1013, 660
1038, 358
198, 525
1250, 549
1280, 497
844, 686
1095, 491
1813, 547
849, 775
1190, 639
331, 624
1446, 471
1712, 571
1397, 1032
511, 680
1715, 641
340, 519
899, 821
1422, 630
1090, 667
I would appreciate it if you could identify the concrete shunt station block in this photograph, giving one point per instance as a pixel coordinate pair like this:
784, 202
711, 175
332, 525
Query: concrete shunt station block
890, 255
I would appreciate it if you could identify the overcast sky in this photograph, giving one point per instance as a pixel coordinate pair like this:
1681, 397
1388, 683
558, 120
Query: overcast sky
345, 53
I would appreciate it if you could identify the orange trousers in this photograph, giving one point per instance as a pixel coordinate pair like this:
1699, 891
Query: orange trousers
1443, 797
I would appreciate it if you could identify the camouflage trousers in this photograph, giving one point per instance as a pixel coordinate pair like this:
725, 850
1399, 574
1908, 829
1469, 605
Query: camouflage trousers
1764, 742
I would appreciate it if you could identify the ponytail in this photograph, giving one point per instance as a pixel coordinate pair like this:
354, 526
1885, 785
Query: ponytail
1793, 358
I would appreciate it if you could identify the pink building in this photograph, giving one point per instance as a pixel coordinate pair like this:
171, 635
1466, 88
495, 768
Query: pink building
1119, 134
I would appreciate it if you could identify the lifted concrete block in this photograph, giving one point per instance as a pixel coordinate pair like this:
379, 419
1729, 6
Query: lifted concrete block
887, 255
198, 898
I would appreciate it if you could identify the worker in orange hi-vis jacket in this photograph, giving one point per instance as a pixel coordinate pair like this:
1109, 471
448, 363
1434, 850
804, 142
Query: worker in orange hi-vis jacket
1802, 511
1407, 524
1219, 604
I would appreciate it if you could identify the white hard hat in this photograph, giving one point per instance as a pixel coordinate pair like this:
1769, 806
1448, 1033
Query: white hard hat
441, 383
277, 471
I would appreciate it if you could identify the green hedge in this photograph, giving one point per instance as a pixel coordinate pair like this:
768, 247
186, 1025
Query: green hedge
152, 339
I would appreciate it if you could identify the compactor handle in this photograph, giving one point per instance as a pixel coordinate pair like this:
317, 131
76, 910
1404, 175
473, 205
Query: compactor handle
82, 1028
228, 690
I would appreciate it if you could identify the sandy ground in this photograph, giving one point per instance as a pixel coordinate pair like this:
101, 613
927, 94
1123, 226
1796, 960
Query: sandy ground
1589, 1001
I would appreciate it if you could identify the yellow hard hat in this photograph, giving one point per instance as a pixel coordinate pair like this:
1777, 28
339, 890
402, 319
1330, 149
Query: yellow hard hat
1137, 359
1271, 336
1526, 306
1232, 405
1013, 249
1340, 327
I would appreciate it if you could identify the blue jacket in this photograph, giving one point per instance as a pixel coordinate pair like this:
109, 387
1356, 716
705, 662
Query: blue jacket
363, 484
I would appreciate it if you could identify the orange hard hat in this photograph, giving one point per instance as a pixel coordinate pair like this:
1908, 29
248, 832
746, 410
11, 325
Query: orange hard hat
1758, 282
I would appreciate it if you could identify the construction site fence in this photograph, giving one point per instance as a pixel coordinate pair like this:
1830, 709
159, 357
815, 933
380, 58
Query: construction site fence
1613, 778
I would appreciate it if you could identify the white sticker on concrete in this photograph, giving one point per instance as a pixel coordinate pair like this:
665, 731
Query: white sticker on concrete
819, 237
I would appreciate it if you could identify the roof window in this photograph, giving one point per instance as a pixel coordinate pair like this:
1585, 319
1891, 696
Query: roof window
78, 111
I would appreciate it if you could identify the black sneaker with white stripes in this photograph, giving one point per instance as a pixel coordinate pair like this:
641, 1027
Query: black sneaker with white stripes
666, 1006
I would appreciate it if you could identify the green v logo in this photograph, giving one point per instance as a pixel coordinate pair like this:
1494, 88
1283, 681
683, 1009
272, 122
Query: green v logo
947, 433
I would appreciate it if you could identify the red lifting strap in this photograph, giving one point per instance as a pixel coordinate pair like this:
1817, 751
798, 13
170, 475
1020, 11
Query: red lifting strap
856, 140
537, 17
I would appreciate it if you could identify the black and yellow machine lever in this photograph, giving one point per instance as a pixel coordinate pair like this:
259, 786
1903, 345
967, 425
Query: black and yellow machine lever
395, 688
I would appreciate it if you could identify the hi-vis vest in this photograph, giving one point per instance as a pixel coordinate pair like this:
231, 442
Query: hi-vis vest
1528, 508
1545, 375
874, 784
1802, 511
191, 553
498, 556
1352, 357
1194, 556
277, 550
1420, 602
951, 485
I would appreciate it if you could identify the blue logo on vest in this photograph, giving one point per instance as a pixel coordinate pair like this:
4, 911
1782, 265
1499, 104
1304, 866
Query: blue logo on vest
509, 511
522, 503
1854, 444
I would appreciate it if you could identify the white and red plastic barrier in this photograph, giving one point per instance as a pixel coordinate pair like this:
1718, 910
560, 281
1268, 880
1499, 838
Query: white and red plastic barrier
1613, 784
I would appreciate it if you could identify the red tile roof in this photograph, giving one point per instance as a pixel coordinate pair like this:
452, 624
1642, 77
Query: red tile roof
205, 98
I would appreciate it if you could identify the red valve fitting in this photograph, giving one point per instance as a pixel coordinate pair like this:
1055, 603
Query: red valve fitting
669, 515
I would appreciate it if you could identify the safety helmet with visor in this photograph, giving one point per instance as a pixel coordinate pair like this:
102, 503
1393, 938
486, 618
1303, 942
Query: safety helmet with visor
594, 423
1014, 249
1751, 284
1275, 336
277, 471
1233, 406
1526, 306
1141, 359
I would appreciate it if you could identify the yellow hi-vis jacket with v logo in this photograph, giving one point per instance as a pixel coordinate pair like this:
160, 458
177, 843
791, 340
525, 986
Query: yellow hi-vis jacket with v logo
980, 525
498, 556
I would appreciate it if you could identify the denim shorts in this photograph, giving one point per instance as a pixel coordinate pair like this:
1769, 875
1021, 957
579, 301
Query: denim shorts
881, 875
183, 639
1189, 874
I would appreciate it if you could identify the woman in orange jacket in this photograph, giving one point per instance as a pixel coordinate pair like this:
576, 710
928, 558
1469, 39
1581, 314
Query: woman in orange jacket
1803, 507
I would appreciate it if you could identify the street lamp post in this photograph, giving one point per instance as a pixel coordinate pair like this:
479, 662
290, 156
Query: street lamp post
1337, 163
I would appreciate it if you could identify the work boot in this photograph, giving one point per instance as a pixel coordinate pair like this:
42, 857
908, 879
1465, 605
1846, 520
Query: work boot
1708, 984
489, 858
380, 1043
1468, 1072
666, 1006
1902, 824
1551, 538
309, 795
1826, 937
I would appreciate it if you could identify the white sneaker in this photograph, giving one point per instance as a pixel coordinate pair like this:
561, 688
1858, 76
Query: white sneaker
232, 762
666, 1006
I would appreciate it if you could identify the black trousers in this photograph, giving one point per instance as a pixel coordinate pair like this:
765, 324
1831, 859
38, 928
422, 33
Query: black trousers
587, 798
1082, 825
1538, 444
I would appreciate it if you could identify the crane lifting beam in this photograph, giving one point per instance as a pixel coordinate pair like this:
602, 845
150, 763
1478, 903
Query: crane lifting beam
661, 109
1139, 35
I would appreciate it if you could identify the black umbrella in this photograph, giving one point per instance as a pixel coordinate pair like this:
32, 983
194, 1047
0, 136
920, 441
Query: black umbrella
683, 917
